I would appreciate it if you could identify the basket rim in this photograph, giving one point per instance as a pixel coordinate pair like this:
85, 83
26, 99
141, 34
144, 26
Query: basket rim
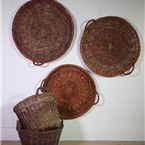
32, 97
19, 128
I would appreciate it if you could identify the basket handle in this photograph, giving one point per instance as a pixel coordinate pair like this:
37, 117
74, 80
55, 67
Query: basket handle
37, 63
89, 22
42, 83
129, 72
98, 98
18, 126
41, 88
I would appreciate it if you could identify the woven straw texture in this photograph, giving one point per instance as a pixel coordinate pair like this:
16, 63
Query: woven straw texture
73, 88
39, 137
42, 30
38, 112
110, 46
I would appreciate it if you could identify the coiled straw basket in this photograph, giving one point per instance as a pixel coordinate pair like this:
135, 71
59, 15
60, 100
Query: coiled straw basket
42, 30
74, 90
38, 112
27, 137
110, 46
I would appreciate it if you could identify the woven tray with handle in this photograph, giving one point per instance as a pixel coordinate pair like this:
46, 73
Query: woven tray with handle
74, 90
42, 30
110, 46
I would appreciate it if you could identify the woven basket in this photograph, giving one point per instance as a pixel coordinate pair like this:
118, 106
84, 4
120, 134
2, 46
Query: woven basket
39, 137
74, 90
38, 112
42, 30
110, 46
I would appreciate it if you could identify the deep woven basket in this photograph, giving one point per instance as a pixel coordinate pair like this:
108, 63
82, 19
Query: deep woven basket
74, 90
38, 112
42, 30
39, 137
110, 46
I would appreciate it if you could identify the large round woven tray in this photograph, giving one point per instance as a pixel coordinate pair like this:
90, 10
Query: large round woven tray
42, 30
110, 46
73, 88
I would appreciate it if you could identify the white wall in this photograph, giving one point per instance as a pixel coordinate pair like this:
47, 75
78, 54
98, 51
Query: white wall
120, 112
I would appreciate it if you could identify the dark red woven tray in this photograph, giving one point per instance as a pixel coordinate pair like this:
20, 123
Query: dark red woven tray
73, 88
42, 30
110, 46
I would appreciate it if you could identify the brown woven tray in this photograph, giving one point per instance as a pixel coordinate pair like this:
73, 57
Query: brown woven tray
39, 137
38, 112
42, 30
110, 46
74, 90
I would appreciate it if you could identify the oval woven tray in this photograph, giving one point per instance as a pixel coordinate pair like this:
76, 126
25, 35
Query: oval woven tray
42, 30
73, 88
110, 46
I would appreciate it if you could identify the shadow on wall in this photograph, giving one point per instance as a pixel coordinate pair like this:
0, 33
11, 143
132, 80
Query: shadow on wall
71, 130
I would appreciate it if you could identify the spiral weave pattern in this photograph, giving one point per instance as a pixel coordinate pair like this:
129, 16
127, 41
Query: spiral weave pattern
109, 46
42, 30
73, 88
